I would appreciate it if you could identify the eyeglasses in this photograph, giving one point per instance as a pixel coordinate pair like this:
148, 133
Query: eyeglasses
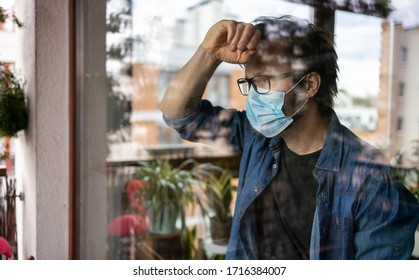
261, 83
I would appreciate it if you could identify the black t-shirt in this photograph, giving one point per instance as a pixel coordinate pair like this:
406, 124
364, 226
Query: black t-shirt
286, 207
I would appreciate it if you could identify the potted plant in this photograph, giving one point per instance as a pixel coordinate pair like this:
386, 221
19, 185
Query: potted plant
219, 192
13, 108
168, 191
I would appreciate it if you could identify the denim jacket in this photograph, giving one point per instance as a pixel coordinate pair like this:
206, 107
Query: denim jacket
361, 212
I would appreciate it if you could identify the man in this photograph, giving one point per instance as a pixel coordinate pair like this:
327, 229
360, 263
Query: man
308, 187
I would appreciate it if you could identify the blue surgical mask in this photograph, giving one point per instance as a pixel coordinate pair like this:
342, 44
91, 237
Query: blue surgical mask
264, 111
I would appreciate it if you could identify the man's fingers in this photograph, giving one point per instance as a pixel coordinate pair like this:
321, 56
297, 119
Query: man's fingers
246, 36
231, 31
231, 41
237, 35
254, 40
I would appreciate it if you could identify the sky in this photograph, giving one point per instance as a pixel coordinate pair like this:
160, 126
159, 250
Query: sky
358, 44
406, 12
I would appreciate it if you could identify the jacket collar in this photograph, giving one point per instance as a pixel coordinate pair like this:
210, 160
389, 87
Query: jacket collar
331, 155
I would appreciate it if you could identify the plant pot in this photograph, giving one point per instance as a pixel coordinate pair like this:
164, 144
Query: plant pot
163, 221
13, 111
220, 230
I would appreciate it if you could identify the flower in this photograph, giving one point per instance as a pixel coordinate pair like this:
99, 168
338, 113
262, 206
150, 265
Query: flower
135, 202
5, 248
126, 225
132, 187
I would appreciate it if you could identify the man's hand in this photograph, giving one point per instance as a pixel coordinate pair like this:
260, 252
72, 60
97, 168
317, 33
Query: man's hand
231, 41
228, 41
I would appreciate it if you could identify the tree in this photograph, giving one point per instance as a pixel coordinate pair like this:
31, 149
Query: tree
6, 15
119, 51
324, 10
378, 8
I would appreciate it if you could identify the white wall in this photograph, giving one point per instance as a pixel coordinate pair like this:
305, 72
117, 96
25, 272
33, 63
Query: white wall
43, 160
43, 149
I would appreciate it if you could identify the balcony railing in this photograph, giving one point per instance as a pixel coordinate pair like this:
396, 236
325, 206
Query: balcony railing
119, 173
8, 210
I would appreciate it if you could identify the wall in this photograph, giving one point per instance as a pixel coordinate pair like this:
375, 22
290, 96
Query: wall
43, 159
43, 149
392, 73
411, 112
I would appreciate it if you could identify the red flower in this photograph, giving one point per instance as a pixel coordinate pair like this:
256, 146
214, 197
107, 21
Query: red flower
132, 188
134, 199
5, 248
127, 225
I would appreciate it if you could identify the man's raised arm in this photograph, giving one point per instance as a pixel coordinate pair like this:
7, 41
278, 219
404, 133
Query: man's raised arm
226, 41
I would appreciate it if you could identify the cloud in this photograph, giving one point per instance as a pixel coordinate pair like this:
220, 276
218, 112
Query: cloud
358, 44
359, 77
357, 36
248, 10
406, 12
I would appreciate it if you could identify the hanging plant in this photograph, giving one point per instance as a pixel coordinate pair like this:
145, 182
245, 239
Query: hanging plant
6, 15
13, 107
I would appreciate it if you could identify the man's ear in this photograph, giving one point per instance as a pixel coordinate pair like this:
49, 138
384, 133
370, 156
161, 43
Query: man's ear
313, 81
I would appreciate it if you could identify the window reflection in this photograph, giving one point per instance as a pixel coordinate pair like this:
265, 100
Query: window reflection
148, 43
146, 46
403, 55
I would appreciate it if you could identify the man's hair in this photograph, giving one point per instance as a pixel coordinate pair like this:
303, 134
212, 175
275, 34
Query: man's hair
306, 48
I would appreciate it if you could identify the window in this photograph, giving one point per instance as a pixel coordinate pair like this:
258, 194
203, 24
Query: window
150, 43
403, 55
401, 91
399, 125
146, 45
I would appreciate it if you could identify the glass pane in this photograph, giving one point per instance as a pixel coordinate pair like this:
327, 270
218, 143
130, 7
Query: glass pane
147, 43
356, 104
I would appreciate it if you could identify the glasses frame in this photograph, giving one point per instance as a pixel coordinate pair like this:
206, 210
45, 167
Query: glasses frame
249, 82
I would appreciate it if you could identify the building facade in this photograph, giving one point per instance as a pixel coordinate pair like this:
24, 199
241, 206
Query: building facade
398, 114
151, 76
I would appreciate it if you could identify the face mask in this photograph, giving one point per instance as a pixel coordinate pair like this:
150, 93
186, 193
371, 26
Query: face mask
264, 111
